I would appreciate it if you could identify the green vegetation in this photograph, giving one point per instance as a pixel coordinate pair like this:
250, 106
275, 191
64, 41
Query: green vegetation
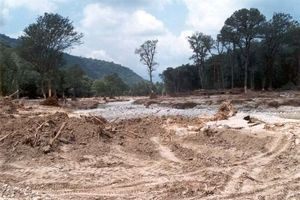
98, 69
35, 63
248, 52
43, 44
111, 85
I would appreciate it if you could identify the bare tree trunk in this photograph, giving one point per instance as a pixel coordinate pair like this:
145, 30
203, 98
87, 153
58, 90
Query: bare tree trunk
246, 75
49, 88
43, 87
200, 76
151, 83
232, 78
270, 74
222, 77
298, 75
214, 77
263, 83
18, 88
232, 63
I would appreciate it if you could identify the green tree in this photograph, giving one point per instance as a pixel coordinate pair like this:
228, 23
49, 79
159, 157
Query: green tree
74, 80
147, 53
43, 44
140, 89
275, 32
111, 85
201, 45
242, 28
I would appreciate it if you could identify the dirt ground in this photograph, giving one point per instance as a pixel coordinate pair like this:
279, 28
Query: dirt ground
56, 153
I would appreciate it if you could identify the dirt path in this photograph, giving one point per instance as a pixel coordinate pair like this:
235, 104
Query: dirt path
165, 152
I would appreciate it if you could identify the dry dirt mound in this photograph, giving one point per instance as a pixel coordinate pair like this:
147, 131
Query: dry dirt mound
225, 111
7, 106
51, 101
184, 105
34, 136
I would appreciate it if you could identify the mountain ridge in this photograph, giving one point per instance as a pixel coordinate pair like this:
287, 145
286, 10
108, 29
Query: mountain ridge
94, 68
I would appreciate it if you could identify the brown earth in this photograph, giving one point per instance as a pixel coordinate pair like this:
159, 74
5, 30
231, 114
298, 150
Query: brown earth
56, 156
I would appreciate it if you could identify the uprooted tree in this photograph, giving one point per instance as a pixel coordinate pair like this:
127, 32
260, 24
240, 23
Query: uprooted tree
43, 44
147, 53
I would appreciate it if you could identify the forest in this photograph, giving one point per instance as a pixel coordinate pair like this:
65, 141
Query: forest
248, 52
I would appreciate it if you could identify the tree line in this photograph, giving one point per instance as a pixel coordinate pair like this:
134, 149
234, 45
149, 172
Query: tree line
248, 52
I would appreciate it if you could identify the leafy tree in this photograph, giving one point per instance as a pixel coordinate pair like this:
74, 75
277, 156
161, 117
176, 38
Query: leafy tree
111, 85
275, 32
140, 89
12, 68
147, 53
201, 45
181, 79
291, 53
241, 28
43, 44
74, 80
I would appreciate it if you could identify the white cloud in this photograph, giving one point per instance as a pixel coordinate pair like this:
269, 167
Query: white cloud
36, 6
208, 16
137, 4
33, 5
104, 19
143, 23
99, 16
100, 55
118, 32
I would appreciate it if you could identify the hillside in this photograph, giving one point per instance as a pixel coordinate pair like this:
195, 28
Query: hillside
95, 69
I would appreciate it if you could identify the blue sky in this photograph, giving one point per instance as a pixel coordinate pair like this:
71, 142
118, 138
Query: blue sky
114, 28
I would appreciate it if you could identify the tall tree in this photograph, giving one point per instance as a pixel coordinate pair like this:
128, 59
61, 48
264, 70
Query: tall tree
292, 50
43, 44
147, 53
275, 31
201, 45
242, 27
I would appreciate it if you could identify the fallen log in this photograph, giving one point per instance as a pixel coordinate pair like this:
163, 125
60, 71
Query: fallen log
57, 134
6, 136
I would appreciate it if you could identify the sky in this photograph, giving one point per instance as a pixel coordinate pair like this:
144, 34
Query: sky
113, 29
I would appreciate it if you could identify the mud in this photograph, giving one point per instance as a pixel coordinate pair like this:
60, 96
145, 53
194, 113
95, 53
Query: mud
151, 157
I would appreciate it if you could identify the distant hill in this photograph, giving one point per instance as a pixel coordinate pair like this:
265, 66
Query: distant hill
95, 69
9, 41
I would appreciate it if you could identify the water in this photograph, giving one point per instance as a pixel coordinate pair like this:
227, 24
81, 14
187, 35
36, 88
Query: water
127, 110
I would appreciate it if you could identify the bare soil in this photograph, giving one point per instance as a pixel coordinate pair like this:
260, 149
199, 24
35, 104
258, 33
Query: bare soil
53, 153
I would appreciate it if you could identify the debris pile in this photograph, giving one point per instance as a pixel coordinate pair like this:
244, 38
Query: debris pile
184, 105
7, 106
225, 111
46, 134
50, 101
